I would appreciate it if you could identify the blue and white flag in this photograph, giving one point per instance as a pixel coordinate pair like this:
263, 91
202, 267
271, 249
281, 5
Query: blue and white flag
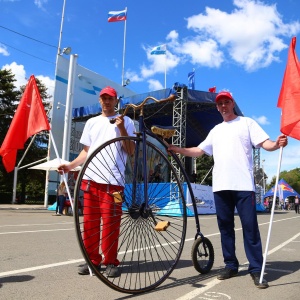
159, 50
116, 16
191, 78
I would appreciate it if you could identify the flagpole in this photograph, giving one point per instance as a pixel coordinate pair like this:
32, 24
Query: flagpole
61, 27
123, 66
46, 194
166, 68
271, 218
194, 78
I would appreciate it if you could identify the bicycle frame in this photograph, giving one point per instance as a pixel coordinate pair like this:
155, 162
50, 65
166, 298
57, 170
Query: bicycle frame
137, 258
144, 131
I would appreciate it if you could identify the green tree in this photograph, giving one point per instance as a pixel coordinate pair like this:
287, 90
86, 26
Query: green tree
292, 177
204, 172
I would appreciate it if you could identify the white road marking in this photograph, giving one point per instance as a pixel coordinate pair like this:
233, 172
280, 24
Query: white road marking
42, 267
43, 224
35, 231
214, 282
188, 296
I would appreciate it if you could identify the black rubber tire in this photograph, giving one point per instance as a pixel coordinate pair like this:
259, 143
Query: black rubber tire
147, 256
203, 255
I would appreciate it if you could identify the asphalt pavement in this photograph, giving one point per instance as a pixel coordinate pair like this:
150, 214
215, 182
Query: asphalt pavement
40, 256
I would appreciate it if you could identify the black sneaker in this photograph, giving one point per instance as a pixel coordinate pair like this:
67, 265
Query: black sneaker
256, 277
227, 273
112, 271
84, 270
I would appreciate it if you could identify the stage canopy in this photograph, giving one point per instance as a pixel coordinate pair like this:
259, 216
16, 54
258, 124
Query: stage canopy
287, 190
202, 114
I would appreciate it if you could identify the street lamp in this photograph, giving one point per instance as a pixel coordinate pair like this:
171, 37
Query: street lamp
126, 82
67, 50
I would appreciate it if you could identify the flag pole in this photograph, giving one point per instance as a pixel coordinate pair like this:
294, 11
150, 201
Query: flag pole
166, 68
61, 27
194, 78
56, 67
271, 218
123, 66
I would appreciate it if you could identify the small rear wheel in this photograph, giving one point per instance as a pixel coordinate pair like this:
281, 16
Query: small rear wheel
203, 255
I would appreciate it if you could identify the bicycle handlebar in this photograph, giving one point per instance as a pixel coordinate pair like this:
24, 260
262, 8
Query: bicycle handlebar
171, 98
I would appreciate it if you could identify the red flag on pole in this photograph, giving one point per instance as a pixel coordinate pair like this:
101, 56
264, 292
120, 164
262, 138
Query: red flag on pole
29, 119
212, 89
289, 97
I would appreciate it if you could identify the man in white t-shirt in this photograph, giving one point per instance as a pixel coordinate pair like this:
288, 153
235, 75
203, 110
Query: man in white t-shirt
99, 189
230, 143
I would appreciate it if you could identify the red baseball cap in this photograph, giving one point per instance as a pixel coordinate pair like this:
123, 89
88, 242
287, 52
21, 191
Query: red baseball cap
109, 91
224, 95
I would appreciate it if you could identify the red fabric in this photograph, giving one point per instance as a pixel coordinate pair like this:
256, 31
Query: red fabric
212, 90
289, 97
102, 219
29, 119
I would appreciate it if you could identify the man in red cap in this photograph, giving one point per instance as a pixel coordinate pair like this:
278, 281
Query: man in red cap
231, 143
99, 202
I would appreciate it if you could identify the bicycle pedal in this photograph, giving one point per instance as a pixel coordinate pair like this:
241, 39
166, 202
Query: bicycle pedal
162, 226
118, 197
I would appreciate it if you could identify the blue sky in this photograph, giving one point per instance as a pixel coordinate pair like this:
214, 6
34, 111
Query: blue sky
237, 45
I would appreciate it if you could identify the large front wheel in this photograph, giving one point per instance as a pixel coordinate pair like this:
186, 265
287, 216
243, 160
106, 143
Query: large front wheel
130, 218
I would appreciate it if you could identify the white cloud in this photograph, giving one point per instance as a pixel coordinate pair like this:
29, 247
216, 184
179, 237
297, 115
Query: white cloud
132, 76
154, 85
251, 33
3, 50
22, 79
19, 72
49, 83
261, 120
115, 62
204, 53
158, 63
40, 3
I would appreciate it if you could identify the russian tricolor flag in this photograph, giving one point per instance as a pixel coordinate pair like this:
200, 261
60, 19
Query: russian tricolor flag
116, 16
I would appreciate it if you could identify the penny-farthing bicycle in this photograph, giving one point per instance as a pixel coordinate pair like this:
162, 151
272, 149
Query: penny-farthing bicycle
149, 216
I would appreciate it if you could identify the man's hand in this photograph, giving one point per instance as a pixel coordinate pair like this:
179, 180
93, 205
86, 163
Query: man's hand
282, 141
62, 169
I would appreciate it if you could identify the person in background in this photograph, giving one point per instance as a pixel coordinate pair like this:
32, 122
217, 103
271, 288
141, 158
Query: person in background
296, 204
98, 130
231, 143
286, 203
157, 173
193, 177
61, 197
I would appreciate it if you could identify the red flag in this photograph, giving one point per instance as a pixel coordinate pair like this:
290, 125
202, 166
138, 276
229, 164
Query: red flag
29, 119
212, 90
289, 97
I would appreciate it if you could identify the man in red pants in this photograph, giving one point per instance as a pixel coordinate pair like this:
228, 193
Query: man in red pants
101, 209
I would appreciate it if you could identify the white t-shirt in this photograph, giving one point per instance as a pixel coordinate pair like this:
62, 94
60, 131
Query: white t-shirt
231, 144
105, 168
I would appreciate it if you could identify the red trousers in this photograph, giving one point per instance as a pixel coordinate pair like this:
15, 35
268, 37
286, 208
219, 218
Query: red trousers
102, 218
